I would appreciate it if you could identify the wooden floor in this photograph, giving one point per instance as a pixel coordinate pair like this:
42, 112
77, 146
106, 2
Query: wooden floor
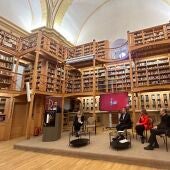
11, 159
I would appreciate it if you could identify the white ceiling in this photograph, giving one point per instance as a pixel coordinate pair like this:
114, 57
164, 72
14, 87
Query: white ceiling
86, 20
24, 13
113, 19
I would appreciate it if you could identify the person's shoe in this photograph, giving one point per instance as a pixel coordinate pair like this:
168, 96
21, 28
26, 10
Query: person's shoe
156, 146
142, 139
76, 134
149, 147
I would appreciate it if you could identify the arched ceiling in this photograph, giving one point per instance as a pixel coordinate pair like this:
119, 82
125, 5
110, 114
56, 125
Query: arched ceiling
81, 21
24, 13
111, 19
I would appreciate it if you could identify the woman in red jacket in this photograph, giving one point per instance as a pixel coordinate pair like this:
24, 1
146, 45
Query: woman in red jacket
142, 124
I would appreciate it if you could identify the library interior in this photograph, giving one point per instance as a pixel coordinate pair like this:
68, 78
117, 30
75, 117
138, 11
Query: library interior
86, 83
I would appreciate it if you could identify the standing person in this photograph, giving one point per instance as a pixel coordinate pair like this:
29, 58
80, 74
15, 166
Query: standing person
56, 107
158, 130
124, 121
78, 122
142, 124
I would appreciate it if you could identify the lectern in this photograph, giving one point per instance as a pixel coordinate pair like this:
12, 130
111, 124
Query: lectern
52, 126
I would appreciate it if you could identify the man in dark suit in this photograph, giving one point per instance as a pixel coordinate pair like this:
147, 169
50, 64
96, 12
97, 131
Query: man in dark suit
56, 107
124, 121
158, 130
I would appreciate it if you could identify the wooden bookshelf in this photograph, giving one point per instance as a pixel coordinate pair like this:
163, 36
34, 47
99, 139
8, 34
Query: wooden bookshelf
87, 103
9, 40
155, 100
119, 77
6, 68
73, 81
87, 80
2, 109
149, 35
50, 86
27, 76
59, 77
41, 76
149, 41
101, 84
153, 71
88, 48
50, 76
100, 49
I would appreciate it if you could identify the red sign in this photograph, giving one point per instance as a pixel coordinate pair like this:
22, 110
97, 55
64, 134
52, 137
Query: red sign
51, 101
113, 101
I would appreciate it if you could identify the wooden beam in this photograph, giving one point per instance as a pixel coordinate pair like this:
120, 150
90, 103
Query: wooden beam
94, 87
62, 114
10, 118
29, 118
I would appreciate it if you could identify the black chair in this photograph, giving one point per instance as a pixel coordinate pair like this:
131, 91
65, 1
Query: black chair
132, 131
90, 124
165, 137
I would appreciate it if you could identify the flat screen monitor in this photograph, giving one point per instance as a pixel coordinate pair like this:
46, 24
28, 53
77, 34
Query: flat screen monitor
113, 101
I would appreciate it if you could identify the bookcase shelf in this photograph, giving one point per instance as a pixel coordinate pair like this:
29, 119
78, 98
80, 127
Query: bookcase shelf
150, 35
73, 81
119, 77
91, 48
153, 71
49, 76
6, 68
2, 108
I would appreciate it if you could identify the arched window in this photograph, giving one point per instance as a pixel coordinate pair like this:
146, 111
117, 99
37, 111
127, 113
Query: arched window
119, 49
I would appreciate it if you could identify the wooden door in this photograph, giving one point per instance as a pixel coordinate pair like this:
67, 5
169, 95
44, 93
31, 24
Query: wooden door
19, 120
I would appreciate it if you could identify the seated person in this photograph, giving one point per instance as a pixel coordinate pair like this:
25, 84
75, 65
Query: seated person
124, 121
78, 122
142, 124
158, 130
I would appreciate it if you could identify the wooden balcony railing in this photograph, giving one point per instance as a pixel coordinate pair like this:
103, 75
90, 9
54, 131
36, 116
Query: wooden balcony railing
8, 41
28, 43
149, 37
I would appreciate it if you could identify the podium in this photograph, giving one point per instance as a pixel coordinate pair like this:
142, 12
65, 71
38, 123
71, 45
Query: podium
52, 126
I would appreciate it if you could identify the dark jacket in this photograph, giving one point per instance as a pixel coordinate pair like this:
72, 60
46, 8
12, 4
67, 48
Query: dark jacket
165, 122
126, 119
75, 122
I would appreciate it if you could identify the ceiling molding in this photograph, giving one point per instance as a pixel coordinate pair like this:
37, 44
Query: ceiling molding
167, 1
55, 11
54, 34
12, 27
95, 10
65, 4
32, 13
44, 10
52, 8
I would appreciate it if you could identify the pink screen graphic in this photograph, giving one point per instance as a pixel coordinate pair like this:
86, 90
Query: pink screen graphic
113, 101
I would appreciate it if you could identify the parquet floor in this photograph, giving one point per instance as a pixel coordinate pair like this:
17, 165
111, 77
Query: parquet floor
11, 159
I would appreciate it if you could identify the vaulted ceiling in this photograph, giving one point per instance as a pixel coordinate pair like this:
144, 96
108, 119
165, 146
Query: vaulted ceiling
81, 21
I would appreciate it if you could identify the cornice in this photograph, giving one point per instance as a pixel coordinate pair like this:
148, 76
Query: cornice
12, 27
54, 34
